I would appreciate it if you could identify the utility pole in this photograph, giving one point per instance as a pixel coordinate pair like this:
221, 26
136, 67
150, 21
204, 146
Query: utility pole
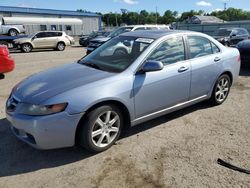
156, 18
116, 21
225, 6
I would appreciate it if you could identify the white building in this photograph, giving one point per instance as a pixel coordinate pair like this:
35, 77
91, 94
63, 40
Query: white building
72, 22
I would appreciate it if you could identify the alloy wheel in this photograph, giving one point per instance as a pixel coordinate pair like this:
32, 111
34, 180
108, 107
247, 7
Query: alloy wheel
222, 89
105, 129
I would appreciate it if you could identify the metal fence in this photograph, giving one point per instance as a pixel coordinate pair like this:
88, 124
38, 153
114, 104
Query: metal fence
210, 28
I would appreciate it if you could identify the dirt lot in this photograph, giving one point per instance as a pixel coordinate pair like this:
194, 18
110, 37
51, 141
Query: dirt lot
177, 150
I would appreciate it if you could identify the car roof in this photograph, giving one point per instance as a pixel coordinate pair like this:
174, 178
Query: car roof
154, 34
231, 28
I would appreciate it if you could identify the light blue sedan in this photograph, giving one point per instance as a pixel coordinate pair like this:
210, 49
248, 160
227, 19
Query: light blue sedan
148, 74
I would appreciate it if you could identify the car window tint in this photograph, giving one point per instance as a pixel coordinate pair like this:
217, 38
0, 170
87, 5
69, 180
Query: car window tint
199, 46
41, 35
140, 28
169, 52
215, 48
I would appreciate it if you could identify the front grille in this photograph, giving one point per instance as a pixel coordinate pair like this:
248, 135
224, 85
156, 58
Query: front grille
12, 104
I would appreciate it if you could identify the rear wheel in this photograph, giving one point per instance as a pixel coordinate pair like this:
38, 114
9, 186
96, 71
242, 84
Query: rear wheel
60, 46
13, 32
26, 48
101, 128
221, 90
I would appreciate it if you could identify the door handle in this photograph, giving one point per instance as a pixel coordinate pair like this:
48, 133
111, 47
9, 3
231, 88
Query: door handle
183, 69
217, 59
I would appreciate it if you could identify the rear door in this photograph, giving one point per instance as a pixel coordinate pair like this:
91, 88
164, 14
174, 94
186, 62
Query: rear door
205, 58
52, 39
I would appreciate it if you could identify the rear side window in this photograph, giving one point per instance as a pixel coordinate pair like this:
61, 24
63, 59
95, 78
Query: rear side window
199, 46
169, 52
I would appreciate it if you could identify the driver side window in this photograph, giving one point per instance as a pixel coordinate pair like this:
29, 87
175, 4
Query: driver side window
169, 52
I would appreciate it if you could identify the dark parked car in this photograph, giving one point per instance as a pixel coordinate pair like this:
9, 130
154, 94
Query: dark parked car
84, 40
231, 36
244, 48
6, 62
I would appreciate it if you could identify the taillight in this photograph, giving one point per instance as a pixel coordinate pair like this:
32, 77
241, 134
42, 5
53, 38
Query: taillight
238, 58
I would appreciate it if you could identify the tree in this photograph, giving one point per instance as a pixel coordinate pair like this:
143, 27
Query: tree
232, 14
187, 15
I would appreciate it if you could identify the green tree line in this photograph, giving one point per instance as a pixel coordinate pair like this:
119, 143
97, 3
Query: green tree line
145, 17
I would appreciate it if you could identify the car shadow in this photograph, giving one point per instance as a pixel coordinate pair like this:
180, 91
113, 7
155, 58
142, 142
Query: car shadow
18, 158
164, 119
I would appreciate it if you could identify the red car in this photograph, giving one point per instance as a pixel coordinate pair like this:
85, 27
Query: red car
7, 64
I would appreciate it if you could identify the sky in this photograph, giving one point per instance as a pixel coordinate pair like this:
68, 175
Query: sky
106, 6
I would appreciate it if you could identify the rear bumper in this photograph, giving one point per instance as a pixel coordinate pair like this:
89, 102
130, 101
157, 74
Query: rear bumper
45, 132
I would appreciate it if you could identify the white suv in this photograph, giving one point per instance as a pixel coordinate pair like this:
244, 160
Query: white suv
57, 40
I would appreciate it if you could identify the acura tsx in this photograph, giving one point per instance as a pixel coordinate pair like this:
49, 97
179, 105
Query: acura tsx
132, 78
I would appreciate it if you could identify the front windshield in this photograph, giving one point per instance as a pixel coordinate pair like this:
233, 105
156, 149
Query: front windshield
223, 32
119, 31
32, 35
117, 54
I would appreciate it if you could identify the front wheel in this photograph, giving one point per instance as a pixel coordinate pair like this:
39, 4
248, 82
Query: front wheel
101, 128
221, 90
26, 48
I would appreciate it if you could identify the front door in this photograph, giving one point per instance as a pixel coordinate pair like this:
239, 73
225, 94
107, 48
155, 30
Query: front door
156, 91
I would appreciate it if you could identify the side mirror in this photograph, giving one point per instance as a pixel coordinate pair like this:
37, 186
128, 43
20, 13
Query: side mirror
2, 76
152, 66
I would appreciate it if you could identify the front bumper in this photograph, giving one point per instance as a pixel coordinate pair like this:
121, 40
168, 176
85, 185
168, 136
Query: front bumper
45, 132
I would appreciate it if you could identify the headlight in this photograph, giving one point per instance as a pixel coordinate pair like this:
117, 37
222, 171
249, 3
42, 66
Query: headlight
40, 110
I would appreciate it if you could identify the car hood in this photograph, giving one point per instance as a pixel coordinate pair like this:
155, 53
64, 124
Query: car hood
47, 84
100, 39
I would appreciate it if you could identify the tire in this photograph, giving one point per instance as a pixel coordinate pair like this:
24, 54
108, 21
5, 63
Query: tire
13, 32
120, 51
60, 46
26, 48
99, 121
221, 90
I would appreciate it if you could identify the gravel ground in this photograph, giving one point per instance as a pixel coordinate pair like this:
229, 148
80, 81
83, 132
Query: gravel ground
176, 150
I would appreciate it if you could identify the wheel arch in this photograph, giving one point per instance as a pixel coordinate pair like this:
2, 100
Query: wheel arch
28, 43
119, 104
61, 42
229, 74
14, 28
